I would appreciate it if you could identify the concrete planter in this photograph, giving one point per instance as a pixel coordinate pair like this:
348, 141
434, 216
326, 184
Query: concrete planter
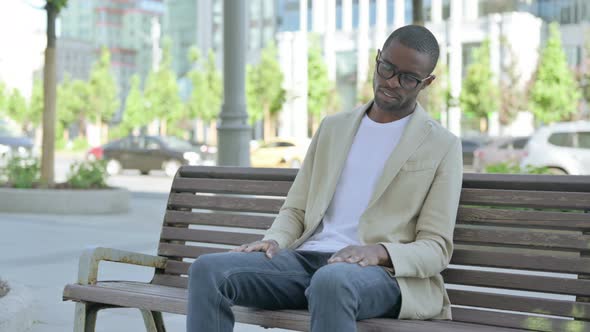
16, 309
64, 201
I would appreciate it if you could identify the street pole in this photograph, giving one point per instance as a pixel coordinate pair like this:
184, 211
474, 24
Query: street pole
233, 131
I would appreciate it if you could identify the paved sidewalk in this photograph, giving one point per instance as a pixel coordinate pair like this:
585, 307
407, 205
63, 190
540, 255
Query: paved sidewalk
41, 252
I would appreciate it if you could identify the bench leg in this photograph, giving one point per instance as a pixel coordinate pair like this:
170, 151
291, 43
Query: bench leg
153, 321
85, 317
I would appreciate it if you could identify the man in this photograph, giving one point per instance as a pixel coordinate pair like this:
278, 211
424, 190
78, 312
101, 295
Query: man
368, 223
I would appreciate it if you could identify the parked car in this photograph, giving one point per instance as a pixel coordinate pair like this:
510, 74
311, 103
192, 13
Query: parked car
12, 143
146, 153
280, 152
501, 150
562, 147
469, 145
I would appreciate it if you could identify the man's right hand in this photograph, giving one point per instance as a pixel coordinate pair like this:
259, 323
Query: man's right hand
269, 247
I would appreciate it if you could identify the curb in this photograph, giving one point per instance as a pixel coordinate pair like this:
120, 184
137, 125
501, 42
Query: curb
16, 309
64, 201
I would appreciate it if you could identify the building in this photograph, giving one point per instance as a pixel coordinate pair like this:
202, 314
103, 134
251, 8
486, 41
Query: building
199, 23
129, 29
349, 29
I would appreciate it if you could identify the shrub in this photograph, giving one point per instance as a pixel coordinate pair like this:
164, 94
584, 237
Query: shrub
21, 172
510, 168
88, 174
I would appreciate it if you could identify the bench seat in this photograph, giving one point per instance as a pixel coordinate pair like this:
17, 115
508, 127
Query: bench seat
173, 300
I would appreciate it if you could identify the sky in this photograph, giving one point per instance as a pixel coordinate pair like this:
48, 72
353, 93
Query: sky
22, 42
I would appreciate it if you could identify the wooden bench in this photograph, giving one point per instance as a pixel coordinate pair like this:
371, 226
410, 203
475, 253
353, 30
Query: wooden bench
521, 260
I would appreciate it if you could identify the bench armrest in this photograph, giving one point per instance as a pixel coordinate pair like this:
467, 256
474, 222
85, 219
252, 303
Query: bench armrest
88, 266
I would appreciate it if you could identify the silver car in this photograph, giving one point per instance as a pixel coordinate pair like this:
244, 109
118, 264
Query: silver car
562, 147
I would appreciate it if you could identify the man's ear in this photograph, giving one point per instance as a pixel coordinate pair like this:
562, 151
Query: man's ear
428, 81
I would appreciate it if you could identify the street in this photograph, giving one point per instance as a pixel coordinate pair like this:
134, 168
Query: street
42, 251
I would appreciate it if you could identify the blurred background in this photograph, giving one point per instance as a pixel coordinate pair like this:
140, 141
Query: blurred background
130, 90
139, 82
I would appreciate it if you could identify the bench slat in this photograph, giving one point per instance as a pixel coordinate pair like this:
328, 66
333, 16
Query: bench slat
524, 238
512, 320
238, 173
179, 250
199, 235
224, 186
540, 219
170, 280
218, 219
522, 261
482, 279
225, 203
527, 182
526, 199
520, 303
514, 281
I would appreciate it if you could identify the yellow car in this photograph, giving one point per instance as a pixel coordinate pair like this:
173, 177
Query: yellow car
280, 152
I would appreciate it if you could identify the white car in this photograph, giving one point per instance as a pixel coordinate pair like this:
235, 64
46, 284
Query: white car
562, 147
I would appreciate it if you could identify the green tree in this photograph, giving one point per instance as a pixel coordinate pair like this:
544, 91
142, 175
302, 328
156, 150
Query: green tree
366, 92
73, 100
52, 8
17, 109
264, 90
322, 96
554, 94
3, 97
435, 98
36, 104
479, 94
162, 94
103, 99
134, 115
207, 90
512, 96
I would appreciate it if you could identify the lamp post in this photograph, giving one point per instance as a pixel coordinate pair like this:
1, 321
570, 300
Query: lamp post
233, 131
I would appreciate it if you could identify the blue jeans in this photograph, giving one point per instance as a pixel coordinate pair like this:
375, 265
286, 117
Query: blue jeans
337, 295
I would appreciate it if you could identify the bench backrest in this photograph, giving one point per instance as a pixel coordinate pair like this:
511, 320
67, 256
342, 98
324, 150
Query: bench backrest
522, 254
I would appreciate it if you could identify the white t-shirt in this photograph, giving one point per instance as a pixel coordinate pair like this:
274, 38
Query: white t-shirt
372, 146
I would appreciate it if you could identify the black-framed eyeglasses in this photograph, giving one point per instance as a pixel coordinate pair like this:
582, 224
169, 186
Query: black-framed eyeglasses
387, 70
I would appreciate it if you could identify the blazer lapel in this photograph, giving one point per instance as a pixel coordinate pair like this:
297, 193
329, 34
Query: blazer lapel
414, 134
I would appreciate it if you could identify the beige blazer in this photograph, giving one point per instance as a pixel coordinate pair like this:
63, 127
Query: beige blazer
412, 210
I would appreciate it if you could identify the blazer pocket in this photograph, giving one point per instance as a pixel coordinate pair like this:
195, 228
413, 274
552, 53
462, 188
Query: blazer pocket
418, 165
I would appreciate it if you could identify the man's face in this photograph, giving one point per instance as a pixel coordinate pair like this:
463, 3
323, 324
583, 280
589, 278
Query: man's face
414, 69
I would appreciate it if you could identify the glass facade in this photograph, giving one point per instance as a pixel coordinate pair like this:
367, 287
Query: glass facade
288, 13
562, 11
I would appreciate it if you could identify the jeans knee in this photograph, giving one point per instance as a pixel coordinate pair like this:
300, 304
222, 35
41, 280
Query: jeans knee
204, 266
329, 284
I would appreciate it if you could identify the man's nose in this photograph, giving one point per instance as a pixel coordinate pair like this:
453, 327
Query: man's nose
393, 82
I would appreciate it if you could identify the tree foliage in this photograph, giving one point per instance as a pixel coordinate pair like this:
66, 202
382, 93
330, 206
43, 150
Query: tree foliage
479, 94
554, 94
435, 98
161, 92
322, 97
366, 93
73, 101
103, 99
264, 89
512, 95
207, 90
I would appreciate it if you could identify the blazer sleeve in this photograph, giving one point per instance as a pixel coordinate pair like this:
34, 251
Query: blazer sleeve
431, 252
289, 224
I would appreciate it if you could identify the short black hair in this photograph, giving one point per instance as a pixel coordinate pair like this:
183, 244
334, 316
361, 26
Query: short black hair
417, 38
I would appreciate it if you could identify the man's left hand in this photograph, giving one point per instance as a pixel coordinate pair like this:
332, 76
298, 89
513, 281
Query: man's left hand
368, 255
